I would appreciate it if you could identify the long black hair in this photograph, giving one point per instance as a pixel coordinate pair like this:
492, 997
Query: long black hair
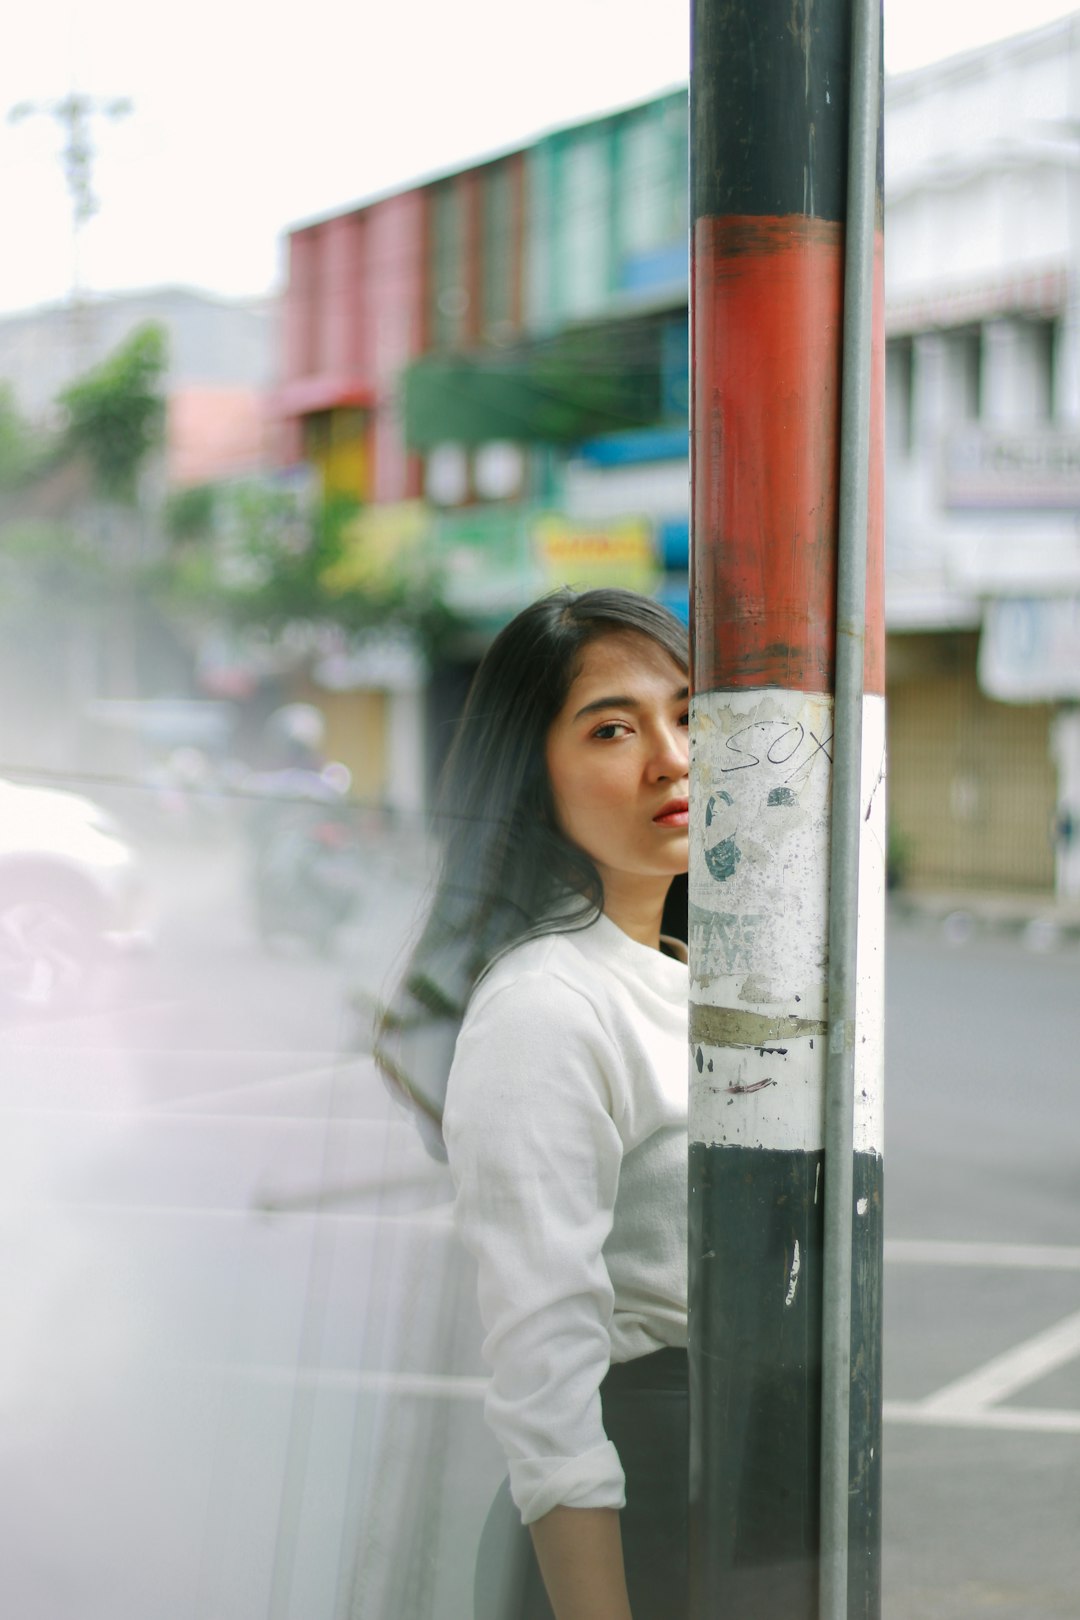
507, 871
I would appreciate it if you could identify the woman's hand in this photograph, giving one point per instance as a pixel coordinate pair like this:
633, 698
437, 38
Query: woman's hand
579, 1551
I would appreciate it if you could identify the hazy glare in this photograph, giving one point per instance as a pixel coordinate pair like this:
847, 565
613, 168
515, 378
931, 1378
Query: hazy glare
245, 122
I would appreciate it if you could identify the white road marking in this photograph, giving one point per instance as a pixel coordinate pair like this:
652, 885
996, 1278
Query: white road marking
971, 1402
451, 1386
181, 1053
436, 1217
439, 1385
1001, 1377
211, 1103
1018, 1419
443, 1386
1012, 1256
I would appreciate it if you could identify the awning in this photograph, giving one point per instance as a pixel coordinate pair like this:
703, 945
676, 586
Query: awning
305, 396
554, 391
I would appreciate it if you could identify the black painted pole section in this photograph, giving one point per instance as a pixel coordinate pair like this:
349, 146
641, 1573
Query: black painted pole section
769, 103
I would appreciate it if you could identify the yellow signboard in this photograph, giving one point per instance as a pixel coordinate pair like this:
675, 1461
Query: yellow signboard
585, 555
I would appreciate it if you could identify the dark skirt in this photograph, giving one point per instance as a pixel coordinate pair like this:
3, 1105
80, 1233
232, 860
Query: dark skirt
646, 1417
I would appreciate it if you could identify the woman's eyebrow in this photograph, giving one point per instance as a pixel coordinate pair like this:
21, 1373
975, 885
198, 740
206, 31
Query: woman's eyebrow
623, 702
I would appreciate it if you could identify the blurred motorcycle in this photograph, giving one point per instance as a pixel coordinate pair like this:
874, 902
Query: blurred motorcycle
305, 857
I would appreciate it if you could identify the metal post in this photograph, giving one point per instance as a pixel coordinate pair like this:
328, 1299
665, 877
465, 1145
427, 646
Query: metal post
850, 1476
770, 98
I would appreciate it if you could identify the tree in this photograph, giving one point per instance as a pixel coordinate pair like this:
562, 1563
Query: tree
190, 513
259, 555
20, 450
116, 412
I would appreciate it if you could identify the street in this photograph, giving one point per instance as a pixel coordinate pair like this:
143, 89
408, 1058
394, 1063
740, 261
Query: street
982, 1315
240, 1362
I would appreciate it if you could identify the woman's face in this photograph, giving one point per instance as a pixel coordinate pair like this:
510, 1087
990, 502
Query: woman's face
618, 762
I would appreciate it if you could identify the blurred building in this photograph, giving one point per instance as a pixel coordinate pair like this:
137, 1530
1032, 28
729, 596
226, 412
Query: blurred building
494, 362
983, 459
76, 633
221, 359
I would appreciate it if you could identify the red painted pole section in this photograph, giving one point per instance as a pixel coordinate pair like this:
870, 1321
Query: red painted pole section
766, 343
766, 358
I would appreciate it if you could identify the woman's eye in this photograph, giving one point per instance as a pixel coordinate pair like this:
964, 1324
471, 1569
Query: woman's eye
609, 729
684, 719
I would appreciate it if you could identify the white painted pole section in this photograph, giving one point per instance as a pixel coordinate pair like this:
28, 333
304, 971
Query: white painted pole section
848, 812
759, 833
759, 809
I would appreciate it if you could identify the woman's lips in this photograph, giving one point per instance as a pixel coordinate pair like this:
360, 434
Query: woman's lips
676, 814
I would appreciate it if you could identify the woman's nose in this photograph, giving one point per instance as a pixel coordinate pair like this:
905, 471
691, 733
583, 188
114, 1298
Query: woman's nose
671, 756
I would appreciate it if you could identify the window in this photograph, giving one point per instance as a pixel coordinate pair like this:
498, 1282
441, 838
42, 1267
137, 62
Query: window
1043, 345
498, 470
498, 247
899, 394
446, 476
965, 381
449, 298
1019, 371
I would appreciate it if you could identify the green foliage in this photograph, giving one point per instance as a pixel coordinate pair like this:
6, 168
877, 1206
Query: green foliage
116, 412
291, 587
21, 450
271, 563
190, 513
306, 585
45, 565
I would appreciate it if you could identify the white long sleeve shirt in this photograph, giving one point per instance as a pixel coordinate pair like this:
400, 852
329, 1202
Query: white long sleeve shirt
565, 1125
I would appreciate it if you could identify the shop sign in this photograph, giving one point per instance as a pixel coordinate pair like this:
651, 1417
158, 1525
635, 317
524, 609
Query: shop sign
583, 555
496, 560
487, 564
1029, 650
999, 469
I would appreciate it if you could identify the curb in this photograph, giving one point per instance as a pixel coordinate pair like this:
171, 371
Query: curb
1040, 921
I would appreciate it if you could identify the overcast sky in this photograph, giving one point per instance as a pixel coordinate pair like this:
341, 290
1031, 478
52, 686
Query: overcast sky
249, 117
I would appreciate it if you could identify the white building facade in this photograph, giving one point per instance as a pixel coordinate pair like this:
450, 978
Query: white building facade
983, 463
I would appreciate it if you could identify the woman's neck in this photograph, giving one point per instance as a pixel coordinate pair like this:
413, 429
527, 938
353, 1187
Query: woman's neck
637, 907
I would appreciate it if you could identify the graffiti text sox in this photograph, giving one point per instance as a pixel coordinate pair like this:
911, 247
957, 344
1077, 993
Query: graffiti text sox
783, 748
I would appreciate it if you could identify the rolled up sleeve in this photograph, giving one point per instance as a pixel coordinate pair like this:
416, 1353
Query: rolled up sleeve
535, 1153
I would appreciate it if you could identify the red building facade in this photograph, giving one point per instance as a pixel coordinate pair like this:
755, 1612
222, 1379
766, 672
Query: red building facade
439, 267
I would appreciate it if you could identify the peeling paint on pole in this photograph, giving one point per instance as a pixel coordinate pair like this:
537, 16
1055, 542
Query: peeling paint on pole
758, 932
760, 783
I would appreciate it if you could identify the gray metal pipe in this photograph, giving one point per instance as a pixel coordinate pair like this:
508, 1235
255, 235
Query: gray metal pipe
846, 805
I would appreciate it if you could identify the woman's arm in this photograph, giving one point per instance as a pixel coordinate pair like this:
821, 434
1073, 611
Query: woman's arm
579, 1551
535, 1155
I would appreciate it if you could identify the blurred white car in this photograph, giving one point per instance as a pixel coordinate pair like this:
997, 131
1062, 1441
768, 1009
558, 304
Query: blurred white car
71, 893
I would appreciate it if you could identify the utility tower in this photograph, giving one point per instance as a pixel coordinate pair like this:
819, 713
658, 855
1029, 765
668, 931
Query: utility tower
74, 114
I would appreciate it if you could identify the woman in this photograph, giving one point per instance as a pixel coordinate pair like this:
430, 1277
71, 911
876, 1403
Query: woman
565, 1112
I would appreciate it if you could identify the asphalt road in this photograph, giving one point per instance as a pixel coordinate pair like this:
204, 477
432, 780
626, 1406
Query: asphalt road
240, 1366
982, 1316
